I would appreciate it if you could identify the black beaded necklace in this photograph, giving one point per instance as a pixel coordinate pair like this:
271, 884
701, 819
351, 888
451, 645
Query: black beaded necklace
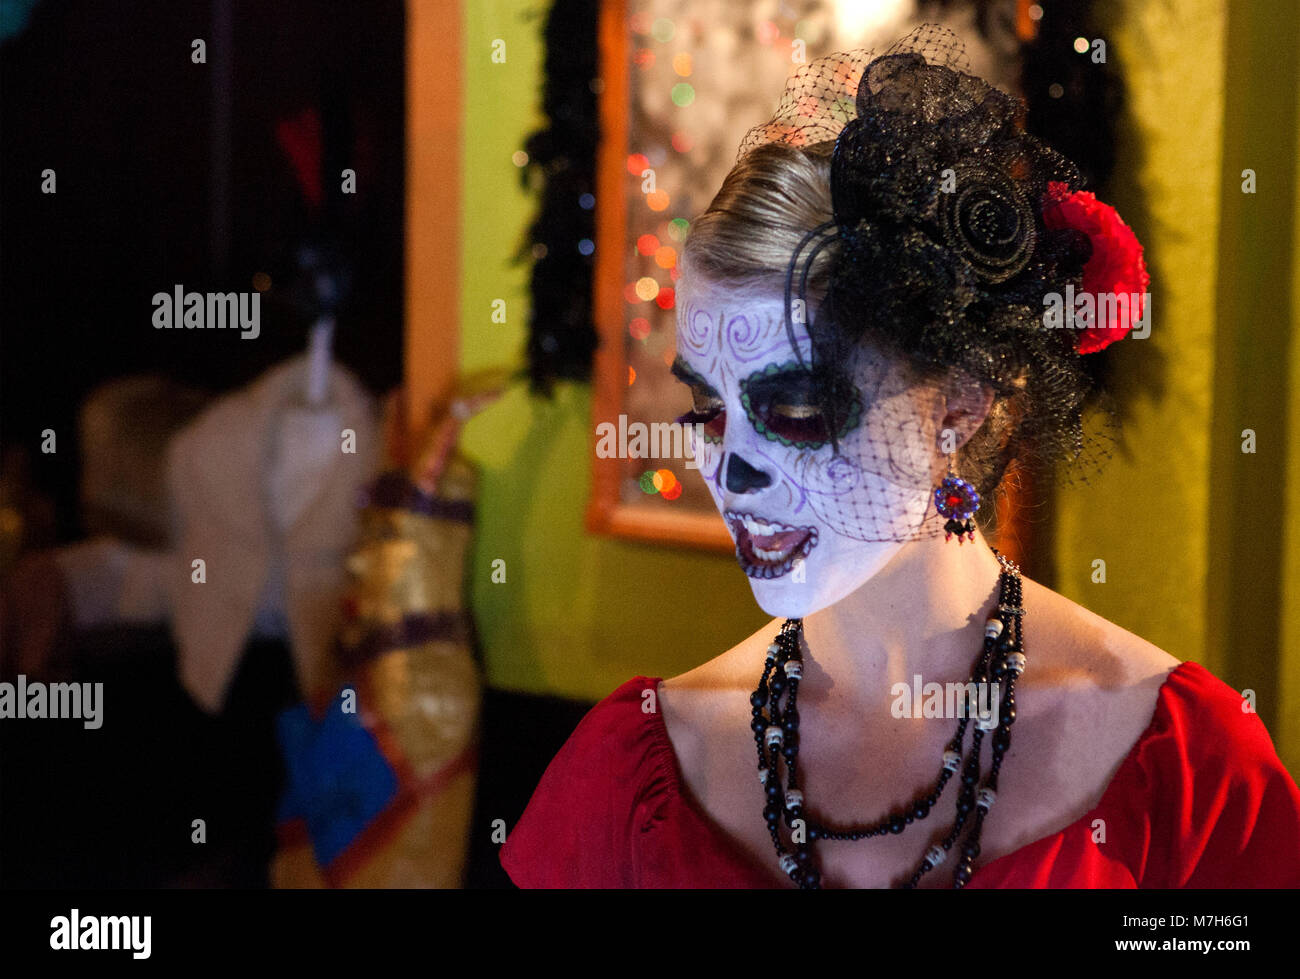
777, 735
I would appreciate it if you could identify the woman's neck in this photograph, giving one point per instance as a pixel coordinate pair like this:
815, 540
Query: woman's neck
922, 614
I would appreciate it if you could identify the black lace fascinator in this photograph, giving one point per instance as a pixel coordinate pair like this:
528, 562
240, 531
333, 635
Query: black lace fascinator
945, 240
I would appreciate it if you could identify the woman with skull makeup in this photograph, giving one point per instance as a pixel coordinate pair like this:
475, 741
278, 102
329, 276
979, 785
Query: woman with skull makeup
859, 316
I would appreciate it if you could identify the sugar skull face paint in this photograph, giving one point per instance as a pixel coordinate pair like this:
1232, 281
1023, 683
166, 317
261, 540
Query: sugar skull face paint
811, 525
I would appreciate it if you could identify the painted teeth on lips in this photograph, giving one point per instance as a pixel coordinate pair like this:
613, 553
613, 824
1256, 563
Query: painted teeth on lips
767, 549
761, 528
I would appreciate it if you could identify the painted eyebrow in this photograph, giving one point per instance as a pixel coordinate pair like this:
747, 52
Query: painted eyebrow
682, 371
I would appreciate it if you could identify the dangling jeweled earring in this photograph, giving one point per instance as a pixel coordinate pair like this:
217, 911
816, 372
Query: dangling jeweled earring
957, 500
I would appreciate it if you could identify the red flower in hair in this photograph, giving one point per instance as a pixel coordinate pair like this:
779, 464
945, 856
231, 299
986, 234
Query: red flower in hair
1116, 267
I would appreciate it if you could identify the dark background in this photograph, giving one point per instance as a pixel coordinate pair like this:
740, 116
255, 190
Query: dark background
106, 95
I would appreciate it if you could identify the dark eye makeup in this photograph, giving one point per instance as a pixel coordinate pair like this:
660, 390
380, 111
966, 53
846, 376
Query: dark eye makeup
707, 407
781, 402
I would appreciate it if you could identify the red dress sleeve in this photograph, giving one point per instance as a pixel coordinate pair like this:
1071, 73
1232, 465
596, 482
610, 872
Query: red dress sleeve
1224, 812
598, 794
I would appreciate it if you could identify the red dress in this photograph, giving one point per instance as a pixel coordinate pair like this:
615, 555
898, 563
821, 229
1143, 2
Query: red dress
1201, 800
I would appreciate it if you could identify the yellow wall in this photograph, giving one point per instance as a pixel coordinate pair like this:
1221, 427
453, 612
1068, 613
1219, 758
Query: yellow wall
1200, 551
1248, 616
1286, 727
1145, 516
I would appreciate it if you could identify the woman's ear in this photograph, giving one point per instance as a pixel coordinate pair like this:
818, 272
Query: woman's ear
966, 403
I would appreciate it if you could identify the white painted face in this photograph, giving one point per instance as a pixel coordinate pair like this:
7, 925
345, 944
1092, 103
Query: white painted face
810, 526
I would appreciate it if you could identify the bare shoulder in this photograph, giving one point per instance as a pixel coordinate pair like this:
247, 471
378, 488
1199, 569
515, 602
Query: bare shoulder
1090, 688
1074, 646
736, 665
693, 700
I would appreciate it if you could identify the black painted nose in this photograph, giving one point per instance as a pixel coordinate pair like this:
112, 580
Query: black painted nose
744, 478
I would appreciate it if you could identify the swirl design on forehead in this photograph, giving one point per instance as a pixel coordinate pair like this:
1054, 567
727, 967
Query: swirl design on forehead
695, 329
745, 334
753, 337
743, 337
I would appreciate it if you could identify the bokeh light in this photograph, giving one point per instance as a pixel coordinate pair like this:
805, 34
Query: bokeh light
663, 30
